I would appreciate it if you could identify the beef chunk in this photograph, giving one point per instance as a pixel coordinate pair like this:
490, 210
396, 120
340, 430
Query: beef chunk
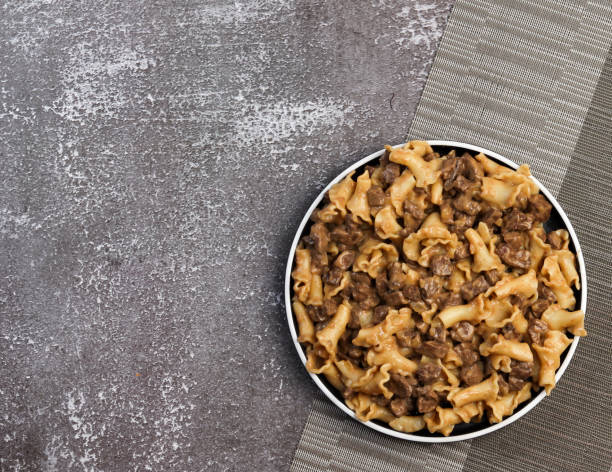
537, 330
316, 313
510, 333
401, 406
380, 313
341, 234
539, 306
320, 236
461, 183
504, 388
345, 260
472, 169
438, 333
433, 349
384, 159
491, 276
405, 337
401, 386
381, 400
472, 374
521, 370
462, 252
516, 220
490, 215
465, 204
539, 208
376, 196
413, 210
354, 322
466, 353
430, 287
514, 239
330, 306
428, 373
451, 168
391, 172
462, 331
412, 293
520, 259
396, 276
546, 293
395, 298
555, 240
441, 265
470, 290
382, 283
515, 384
427, 400
453, 299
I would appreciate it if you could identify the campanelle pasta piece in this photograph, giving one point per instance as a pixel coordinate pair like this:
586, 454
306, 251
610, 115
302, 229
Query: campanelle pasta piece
506, 404
332, 374
340, 193
485, 391
411, 156
358, 203
473, 311
328, 337
408, 424
436, 192
315, 295
502, 187
554, 279
305, 325
432, 228
316, 364
526, 285
499, 312
501, 362
302, 275
386, 225
538, 249
559, 319
396, 321
491, 168
497, 344
563, 236
443, 420
549, 355
567, 263
365, 409
400, 189
484, 259
374, 256
371, 381
333, 290
388, 354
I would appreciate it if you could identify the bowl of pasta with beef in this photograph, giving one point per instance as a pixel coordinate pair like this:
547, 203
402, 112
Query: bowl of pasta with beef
435, 291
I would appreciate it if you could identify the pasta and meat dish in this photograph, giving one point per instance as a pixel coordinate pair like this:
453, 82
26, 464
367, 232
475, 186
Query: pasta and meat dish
428, 292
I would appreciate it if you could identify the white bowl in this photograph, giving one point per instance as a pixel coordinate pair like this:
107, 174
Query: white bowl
480, 428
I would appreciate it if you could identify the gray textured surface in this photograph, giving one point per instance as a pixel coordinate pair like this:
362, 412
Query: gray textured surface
155, 161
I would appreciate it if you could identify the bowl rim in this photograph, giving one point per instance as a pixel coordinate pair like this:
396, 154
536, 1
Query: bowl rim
387, 430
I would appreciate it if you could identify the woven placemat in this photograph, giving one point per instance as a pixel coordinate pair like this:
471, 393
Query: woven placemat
531, 80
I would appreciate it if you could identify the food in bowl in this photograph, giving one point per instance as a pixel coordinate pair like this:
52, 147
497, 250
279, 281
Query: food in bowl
429, 294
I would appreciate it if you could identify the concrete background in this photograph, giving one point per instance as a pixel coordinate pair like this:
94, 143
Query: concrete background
156, 158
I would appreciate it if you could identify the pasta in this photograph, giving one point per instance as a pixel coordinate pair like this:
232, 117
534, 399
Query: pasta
429, 294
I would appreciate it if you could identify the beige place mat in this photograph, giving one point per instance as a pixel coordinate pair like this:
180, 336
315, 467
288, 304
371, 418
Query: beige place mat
531, 80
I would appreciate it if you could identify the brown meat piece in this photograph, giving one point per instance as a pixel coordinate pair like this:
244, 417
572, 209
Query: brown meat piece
539, 306
341, 234
537, 330
384, 159
504, 388
334, 276
462, 252
438, 334
412, 293
401, 386
404, 337
521, 370
427, 400
462, 332
449, 171
430, 287
546, 293
401, 406
330, 306
466, 353
520, 259
381, 400
433, 349
428, 373
453, 299
470, 290
463, 221
376, 196
472, 169
539, 208
520, 301
471, 374
555, 240
491, 276
465, 204
516, 220
490, 215
316, 313
320, 236
515, 384
461, 183
430, 156
510, 333
354, 322
382, 283
396, 276
395, 298
441, 265
413, 210
390, 173
345, 260
380, 313
514, 239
